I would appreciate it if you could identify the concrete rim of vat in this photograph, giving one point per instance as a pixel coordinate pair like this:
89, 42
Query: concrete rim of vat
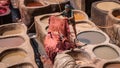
103, 11
17, 65
114, 47
110, 62
8, 51
112, 15
99, 31
7, 10
14, 25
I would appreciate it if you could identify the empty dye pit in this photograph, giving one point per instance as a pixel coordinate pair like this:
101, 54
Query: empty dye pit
24, 65
81, 58
107, 6
11, 41
34, 4
91, 37
12, 56
112, 65
106, 52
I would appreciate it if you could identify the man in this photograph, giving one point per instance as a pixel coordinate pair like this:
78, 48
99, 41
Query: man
68, 14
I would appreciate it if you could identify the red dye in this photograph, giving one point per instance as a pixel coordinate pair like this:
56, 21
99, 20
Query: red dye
2, 10
33, 4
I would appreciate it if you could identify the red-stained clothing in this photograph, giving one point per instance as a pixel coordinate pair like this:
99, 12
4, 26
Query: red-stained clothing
53, 42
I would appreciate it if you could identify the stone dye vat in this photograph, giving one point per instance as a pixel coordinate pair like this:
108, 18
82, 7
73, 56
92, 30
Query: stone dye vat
5, 15
100, 10
112, 65
23, 65
83, 26
31, 8
12, 29
112, 18
80, 57
92, 37
8, 41
106, 52
15, 47
12, 56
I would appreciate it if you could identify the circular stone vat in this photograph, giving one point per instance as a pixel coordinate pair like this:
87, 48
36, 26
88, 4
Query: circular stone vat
107, 6
91, 37
34, 4
11, 29
11, 41
105, 52
12, 56
80, 57
23, 65
116, 13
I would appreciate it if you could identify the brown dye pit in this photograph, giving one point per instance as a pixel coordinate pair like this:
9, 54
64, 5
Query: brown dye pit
2, 10
25, 65
107, 6
81, 58
105, 52
13, 56
79, 16
11, 41
118, 17
91, 37
34, 4
114, 65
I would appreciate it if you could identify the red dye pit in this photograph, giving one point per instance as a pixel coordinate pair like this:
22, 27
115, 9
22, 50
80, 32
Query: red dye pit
33, 4
3, 10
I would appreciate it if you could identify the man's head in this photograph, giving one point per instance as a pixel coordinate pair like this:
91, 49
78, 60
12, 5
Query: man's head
67, 7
